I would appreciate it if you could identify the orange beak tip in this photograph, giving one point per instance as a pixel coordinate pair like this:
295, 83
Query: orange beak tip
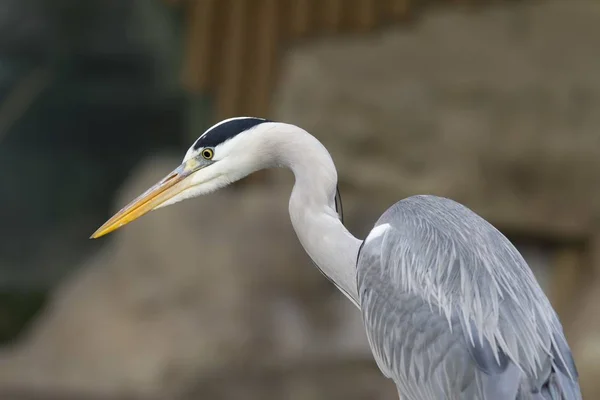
98, 234
145, 203
94, 235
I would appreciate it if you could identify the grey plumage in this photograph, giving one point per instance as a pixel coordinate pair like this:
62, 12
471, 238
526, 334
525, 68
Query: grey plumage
452, 310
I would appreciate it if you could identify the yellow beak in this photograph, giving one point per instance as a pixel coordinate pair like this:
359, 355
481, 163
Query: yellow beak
167, 188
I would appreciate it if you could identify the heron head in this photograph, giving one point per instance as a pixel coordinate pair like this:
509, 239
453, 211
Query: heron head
223, 154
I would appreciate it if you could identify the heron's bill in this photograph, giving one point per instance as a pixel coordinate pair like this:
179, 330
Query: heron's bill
168, 187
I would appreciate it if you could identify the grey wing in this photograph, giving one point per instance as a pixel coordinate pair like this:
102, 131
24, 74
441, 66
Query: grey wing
452, 311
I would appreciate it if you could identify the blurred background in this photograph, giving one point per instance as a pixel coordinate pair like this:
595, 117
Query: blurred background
495, 104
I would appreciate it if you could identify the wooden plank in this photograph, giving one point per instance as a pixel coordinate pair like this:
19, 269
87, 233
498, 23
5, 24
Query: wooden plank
198, 47
231, 63
261, 68
300, 18
365, 14
332, 15
398, 9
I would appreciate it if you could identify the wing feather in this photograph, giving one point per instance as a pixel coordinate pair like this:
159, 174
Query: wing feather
452, 310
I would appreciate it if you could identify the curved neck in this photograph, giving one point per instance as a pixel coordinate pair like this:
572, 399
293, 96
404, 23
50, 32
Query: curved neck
312, 205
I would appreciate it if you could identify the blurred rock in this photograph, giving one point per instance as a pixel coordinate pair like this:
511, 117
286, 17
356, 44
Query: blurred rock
498, 109
189, 294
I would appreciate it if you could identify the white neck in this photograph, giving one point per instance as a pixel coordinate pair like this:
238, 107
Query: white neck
312, 203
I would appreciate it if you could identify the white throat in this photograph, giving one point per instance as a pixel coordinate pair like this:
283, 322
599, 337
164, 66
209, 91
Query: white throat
312, 203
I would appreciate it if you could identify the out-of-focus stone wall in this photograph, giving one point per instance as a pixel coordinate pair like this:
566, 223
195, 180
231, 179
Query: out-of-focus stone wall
214, 298
498, 109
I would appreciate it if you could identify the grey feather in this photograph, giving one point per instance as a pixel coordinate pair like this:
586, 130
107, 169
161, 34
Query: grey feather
453, 311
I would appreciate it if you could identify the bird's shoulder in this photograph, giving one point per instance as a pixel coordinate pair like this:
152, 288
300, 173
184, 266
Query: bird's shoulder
449, 264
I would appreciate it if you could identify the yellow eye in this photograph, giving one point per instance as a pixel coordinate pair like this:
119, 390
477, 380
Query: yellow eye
208, 154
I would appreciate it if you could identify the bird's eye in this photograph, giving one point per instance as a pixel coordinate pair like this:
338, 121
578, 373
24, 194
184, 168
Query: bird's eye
208, 154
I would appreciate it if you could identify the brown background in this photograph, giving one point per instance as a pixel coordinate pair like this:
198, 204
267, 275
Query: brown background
494, 104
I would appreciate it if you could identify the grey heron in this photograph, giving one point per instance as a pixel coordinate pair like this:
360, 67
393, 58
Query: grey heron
451, 308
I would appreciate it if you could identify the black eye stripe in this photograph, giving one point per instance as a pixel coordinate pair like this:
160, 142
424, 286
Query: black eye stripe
226, 131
